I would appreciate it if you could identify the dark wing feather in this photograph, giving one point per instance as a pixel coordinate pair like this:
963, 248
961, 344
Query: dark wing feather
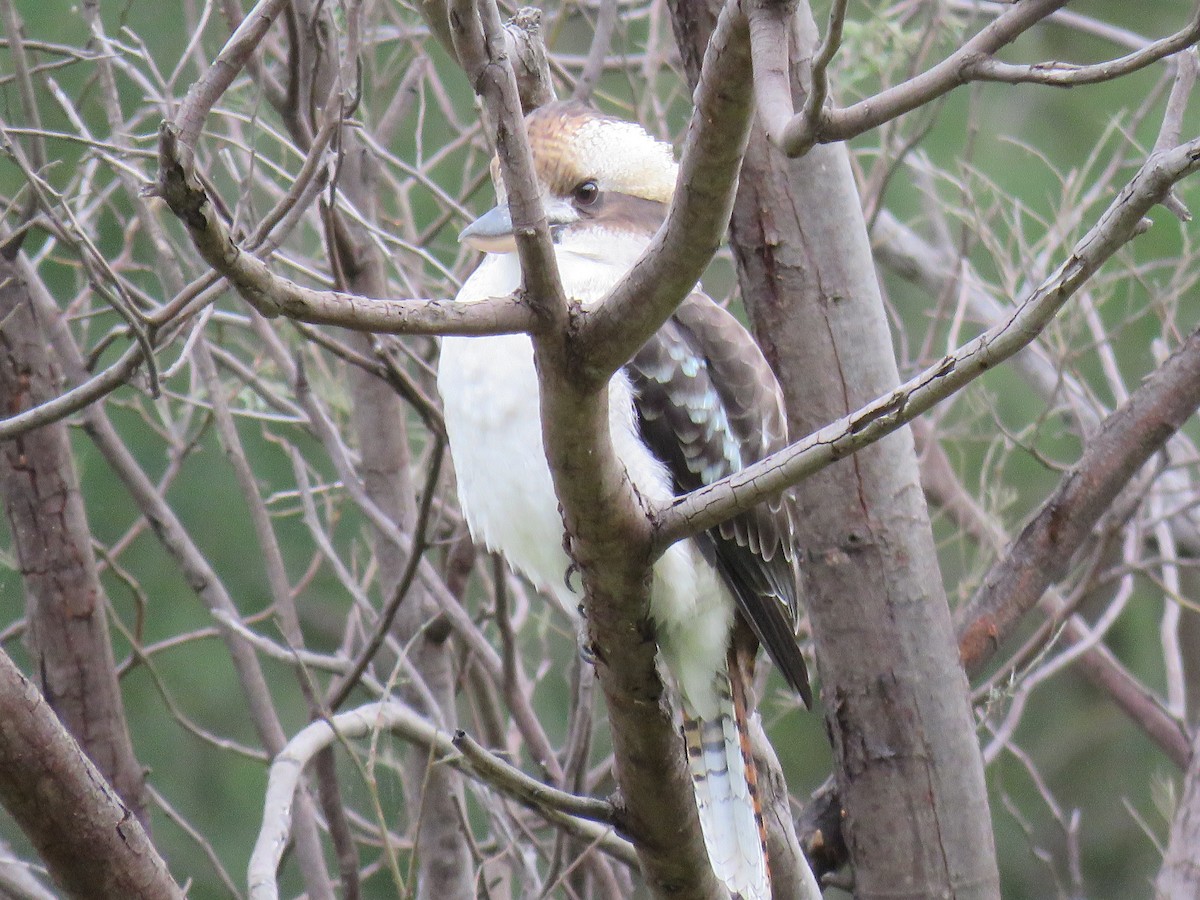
708, 405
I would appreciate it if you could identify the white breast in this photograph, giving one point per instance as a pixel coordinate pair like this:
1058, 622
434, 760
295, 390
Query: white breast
490, 394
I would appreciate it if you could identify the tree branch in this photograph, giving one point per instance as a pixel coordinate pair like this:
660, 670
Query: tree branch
66, 606
1120, 223
973, 61
559, 809
204, 94
1060, 74
797, 133
93, 846
1042, 554
668, 270
273, 295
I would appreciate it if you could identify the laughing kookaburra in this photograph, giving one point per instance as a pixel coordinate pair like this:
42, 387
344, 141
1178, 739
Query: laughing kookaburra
696, 403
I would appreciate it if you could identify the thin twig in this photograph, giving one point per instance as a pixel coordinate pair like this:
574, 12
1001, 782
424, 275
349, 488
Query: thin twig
390, 715
1121, 222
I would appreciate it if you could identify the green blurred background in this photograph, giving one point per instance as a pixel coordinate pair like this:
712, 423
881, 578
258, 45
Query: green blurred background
1008, 157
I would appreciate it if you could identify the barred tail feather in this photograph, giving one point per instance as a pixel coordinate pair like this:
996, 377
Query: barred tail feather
726, 786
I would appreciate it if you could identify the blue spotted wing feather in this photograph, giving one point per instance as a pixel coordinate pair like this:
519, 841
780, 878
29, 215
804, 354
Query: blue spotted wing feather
708, 405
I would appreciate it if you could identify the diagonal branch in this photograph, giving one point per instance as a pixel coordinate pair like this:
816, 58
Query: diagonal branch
699, 214
1121, 222
204, 94
973, 61
273, 295
1060, 74
1043, 552
795, 134
89, 840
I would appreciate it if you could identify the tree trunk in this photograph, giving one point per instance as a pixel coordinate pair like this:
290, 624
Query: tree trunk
444, 865
65, 604
896, 701
79, 827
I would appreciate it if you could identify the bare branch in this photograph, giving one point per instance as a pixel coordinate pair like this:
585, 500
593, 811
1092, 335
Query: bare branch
900, 249
530, 790
1060, 74
1043, 552
66, 603
21, 72
93, 846
794, 137
1095, 660
272, 295
699, 216
348, 154
20, 879
1121, 222
82, 395
390, 715
204, 94
973, 61
769, 22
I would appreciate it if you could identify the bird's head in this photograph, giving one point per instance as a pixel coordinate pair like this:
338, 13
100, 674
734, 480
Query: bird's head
603, 181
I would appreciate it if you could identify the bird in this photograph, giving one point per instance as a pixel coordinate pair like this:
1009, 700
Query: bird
697, 402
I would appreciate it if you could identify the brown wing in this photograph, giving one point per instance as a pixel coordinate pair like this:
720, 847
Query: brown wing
708, 405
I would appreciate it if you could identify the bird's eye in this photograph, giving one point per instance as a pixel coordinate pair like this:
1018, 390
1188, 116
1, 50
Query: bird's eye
586, 193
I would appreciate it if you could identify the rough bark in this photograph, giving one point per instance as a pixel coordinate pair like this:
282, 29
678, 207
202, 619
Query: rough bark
65, 604
86, 836
1041, 555
908, 766
196, 569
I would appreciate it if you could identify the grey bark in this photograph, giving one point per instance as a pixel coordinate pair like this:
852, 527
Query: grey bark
445, 870
196, 569
895, 696
79, 827
66, 609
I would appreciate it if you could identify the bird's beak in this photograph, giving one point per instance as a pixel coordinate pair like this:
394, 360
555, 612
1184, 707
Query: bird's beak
493, 231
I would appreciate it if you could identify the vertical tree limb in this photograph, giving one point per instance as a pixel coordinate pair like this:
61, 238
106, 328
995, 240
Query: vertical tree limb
66, 607
196, 569
896, 698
